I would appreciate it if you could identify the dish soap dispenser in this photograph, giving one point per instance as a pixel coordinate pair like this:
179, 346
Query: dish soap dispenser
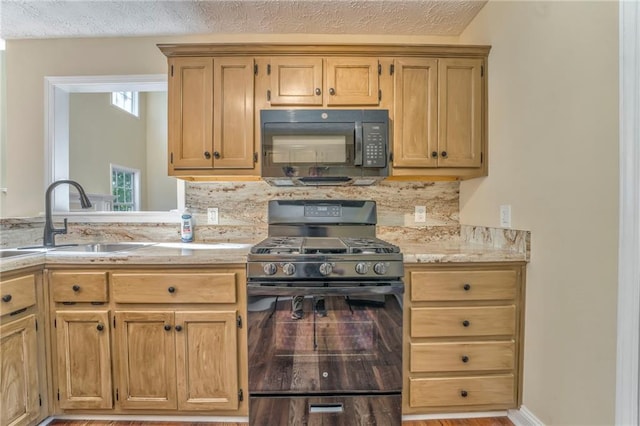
186, 227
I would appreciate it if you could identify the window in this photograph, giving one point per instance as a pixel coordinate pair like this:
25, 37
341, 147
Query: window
126, 101
125, 187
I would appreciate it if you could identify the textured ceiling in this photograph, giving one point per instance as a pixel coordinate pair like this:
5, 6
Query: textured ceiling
90, 18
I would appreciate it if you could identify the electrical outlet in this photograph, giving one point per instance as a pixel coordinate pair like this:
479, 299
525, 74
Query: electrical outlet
212, 216
505, 216
420, 214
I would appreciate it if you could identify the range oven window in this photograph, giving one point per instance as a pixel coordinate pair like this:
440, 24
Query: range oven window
356, 347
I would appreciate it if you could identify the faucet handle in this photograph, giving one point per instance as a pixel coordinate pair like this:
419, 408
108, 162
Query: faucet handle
64, 230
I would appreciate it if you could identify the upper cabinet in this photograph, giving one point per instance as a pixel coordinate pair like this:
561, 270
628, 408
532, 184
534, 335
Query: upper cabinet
211, 115
436, 97
439, 117
314, 81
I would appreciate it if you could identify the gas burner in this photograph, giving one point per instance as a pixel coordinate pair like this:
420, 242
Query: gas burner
369, 245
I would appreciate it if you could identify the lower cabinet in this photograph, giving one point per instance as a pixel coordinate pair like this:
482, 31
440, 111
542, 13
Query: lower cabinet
148, 341
463, 337
23, 397
177, 360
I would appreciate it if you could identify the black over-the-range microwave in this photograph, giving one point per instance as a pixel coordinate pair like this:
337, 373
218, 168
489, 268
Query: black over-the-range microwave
324, 146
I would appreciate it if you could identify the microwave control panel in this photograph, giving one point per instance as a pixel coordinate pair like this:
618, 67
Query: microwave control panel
374, 141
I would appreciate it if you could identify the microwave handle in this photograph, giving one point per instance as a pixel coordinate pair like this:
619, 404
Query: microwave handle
357, 161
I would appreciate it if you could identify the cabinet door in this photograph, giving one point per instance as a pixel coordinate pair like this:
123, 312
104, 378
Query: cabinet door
460, 112
146, 360
233, 117
207, 364
19, 377
83, 359
415, 139
296, 81
191, 112
352, 81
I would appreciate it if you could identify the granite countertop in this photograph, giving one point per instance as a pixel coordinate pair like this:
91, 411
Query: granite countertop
227, 253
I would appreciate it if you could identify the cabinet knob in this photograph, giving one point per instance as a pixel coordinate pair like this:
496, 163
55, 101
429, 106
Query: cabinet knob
178, 328
318, 91
466, 287
167, 327
100, 327
6, 298
171, 289
332, 91
465, 358
75, 287
466, 323
444, 154
464, 393
216, 154
207, 155
434, 154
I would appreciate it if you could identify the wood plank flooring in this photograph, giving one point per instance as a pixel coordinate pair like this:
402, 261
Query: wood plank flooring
484, 421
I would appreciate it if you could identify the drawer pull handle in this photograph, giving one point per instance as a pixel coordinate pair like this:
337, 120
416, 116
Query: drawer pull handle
466, 323
171, 289
465, 358
464, 393
75, 288
167, 327
6, 298
178, 328
466, 287
100, 327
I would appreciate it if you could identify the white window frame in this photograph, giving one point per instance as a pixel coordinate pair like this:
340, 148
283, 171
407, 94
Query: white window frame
136, 184
119, 100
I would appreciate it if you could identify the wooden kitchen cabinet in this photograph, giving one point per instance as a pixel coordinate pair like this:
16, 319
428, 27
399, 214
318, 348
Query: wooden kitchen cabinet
23, 398
83, 361
211, 115
316, 81
463, 337
81, 338
181, 348
440, 119
177, 360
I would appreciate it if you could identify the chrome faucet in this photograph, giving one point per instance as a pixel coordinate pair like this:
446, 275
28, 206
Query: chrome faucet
50, 231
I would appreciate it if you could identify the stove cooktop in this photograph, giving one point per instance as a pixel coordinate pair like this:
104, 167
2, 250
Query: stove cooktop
323, 245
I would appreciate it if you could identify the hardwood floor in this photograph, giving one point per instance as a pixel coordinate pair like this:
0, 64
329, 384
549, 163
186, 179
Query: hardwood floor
484, 421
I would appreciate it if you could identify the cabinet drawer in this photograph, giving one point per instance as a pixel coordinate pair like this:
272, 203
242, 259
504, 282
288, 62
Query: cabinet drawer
464, 321
475, 356
461, 391
79, 286
429, 286
201, 287
17, 293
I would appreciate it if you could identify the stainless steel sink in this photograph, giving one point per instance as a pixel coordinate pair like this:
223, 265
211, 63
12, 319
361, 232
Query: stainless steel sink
100, 247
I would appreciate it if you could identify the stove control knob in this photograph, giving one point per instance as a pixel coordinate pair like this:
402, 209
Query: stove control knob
380, 268
270, 268
289, 268
362, 268
325, 269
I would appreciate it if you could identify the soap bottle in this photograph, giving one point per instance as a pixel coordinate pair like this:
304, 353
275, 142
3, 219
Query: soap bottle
186, 227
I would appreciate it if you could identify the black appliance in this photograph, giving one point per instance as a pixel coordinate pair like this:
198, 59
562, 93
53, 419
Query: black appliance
324, 146
338, 359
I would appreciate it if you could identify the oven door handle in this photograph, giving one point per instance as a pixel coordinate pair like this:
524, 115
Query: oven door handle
263, 288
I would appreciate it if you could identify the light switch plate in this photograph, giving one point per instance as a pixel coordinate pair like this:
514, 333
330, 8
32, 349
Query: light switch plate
505, 216
212, 216
420, 214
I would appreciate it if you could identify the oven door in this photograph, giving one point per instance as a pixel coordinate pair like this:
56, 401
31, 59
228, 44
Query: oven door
355, 348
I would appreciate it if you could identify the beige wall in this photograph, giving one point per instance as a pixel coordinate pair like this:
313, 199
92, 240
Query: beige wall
100, 135
161, 189
553, 132
29, 61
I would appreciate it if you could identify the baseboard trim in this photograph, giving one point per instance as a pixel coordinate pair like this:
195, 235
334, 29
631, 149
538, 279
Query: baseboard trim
470, 415
149, 418
524, 417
